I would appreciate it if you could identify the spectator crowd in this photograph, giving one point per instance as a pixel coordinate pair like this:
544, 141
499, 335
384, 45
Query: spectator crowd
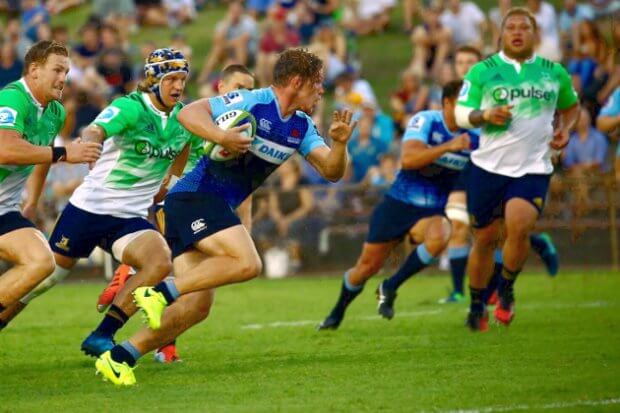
105, 64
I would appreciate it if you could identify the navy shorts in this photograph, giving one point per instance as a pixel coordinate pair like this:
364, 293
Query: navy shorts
461, 180
392, 219
488, 193
78, 232
193, 216
12, 221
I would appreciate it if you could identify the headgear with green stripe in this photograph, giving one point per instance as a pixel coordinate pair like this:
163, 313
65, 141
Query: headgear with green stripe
161, 63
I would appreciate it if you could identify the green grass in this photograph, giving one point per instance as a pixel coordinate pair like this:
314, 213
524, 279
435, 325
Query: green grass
564, 347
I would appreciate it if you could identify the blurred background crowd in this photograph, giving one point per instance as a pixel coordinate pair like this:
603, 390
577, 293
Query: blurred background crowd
109, 40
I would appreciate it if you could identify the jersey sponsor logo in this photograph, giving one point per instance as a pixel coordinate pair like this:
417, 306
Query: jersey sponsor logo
264, 124
270, 151
147, 149
198, 225
232, 98
416, 123
7, 116
464, 92
452, 161
63, 244
107, 114
503, 94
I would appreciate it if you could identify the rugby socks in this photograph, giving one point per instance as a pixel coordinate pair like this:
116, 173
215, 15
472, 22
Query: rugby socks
169, 290
348, 292
538, 243
114, 319
415, 262
477, 300
458, 263
507, 282
496, 277
125, 353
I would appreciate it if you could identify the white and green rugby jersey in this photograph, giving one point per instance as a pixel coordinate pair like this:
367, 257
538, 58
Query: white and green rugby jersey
536, 88
20, 111
141, 143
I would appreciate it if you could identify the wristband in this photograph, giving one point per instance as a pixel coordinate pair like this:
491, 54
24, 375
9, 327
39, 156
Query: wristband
59, 154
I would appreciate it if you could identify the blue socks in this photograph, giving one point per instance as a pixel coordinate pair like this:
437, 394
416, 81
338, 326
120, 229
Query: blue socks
458, 264
415, 262
348, 292
114, 319
169, 290
125, 352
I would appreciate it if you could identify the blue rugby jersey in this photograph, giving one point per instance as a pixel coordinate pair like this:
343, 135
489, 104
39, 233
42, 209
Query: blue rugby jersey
429, 186
276, 140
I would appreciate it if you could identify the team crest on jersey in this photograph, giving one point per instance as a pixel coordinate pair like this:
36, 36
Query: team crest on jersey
7, 116
437, 138
232, 98
63, 244
198, 225
107, 114
264, 124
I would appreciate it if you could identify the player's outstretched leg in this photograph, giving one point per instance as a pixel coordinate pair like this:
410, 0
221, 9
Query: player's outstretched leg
542, 244
185, 312
368, 264
436, 233
520, 218
149, 254
229, 256
458, 247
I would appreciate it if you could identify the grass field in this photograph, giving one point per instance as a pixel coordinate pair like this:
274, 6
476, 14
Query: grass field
259, 352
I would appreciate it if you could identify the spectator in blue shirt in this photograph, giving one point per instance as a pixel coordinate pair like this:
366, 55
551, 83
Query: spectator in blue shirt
33, 14
10, 66
369, 141
587, 148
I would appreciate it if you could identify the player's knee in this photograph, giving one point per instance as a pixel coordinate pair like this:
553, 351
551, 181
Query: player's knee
40, 265
460, 233
486, 238
250, 268
369, 266
162, 264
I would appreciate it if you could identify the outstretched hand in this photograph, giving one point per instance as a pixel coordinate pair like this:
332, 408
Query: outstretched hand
342, 126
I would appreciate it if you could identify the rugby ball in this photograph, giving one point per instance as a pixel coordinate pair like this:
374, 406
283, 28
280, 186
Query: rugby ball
228, 120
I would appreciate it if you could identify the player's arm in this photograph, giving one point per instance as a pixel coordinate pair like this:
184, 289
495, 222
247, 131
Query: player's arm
416, 154
176, 170
34, 188
567, 108
245, 213
197, 117
331, 163
468, 110
93, 133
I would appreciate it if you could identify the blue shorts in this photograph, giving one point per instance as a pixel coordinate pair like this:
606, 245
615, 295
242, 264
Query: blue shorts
392, 219
461, 181
78, 232
12, 221
488, 193
193, 216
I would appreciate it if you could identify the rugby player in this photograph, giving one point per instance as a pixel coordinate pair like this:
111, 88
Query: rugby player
233, 77
142, 140
31, 116
209, 245
456, 210
434, 151
513, 95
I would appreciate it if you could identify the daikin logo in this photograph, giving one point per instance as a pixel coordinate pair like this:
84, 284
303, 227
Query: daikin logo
502, 94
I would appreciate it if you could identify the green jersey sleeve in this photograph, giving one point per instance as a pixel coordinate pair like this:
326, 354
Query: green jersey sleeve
13, 110
471, 91
567, 96
118, 116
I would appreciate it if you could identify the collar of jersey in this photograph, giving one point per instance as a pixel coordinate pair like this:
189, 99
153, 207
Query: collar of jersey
275, 99
150, 105
27, 89
513, 62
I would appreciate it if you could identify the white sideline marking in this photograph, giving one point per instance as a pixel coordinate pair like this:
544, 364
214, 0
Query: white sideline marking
303, 323
550, 406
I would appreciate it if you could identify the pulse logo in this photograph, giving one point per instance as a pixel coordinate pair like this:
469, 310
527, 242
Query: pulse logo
504, 94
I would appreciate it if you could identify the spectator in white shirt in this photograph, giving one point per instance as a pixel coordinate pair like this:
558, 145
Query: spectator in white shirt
466, 21
549, 45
